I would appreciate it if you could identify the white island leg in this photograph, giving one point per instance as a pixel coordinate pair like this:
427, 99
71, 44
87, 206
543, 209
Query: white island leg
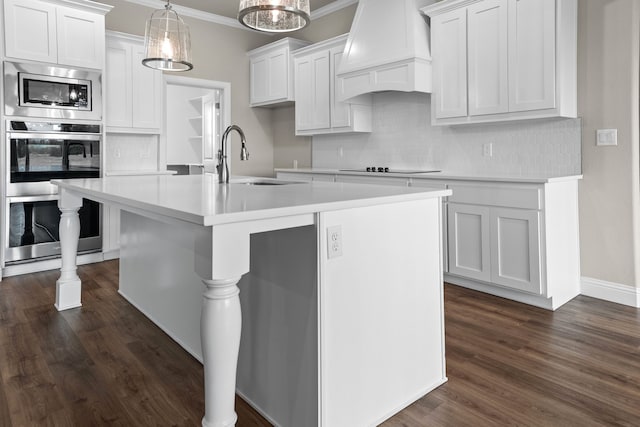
220, 325
68, 286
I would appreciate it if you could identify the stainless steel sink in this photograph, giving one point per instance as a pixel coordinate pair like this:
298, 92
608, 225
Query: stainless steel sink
268, 183
262, 181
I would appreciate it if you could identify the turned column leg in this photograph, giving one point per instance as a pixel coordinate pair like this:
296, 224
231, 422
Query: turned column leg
68, 286
220, 325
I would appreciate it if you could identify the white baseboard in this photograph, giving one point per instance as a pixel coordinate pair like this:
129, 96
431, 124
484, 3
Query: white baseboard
609, 291
48, 264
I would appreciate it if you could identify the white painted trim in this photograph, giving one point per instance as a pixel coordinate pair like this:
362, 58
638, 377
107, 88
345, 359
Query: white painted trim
231, 22
610, 291
48, 264
331, 8
170, 79
124, 36
90, 6
225, 87
192, 13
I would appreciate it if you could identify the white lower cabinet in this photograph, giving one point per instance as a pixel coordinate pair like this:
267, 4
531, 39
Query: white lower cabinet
308, 177
469, 241
497, 245
517, 240
515, 249
383, 180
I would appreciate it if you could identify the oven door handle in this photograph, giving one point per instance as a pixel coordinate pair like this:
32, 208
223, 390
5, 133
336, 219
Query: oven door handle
30, 199
65, 136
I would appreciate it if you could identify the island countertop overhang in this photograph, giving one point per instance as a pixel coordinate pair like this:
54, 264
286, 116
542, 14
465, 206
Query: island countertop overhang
201, 200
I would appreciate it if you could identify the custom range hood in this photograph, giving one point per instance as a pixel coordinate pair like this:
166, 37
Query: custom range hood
387, 49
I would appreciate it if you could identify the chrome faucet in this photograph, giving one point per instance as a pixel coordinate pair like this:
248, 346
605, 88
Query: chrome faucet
223, 167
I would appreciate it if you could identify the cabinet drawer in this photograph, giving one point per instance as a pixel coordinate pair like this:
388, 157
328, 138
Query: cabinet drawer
375, 180
512, 196
295, 176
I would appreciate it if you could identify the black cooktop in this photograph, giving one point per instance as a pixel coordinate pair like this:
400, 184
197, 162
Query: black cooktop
377, 169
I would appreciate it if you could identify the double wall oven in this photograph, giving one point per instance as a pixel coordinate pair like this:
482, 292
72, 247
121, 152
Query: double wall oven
53, 131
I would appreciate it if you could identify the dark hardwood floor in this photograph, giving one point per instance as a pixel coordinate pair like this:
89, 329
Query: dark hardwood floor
507, 363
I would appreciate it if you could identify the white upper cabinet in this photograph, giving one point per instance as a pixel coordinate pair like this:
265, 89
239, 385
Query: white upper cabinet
313, 103
318, 110
488, 79
133, 91
532, 54
449, 36
271, 73
39, 43
44, 31
498, 60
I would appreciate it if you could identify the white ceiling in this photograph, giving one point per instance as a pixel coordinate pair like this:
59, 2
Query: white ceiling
227, 8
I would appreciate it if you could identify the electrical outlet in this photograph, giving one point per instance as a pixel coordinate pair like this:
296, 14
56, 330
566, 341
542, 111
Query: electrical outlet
334, 241
487, 149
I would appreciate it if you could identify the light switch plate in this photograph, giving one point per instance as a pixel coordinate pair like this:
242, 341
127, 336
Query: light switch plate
606, 137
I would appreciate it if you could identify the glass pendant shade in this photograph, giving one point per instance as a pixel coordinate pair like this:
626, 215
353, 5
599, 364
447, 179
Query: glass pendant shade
274, 16
167, 43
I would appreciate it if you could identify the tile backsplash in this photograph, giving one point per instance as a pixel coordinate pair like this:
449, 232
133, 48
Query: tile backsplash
403, 137
128, 152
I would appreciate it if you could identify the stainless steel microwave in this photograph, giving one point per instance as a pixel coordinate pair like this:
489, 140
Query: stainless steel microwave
40, 90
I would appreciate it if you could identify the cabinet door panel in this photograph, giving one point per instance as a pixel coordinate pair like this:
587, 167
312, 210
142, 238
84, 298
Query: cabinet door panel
450, 64
515, 249
487, 37
30, 30
304, 93
322, 91
313, 92
117, 80
340, 111
469, 245
532, 59
259, 79
146, 87
278, 75
80, 38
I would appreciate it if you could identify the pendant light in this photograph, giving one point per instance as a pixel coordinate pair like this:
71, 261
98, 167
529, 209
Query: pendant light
167, 43
274, 16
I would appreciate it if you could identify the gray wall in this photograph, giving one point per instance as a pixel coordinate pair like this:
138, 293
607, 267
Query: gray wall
608, 74
287, 146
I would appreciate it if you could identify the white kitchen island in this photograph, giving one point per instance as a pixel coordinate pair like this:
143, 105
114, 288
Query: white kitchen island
342, 321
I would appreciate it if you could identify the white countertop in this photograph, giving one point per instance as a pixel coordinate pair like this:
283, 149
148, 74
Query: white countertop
131, 172
201, 200
442, 175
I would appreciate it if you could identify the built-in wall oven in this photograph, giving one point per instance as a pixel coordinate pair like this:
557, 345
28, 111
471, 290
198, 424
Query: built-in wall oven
37, 152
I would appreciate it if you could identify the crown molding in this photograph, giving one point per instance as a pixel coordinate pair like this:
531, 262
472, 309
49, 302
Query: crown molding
331, 8
192, 13
230, 22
